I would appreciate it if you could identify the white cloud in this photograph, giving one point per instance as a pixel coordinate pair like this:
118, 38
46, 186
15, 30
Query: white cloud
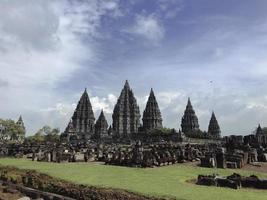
43, 43
170, 8
106, 104
63, 109
148, 27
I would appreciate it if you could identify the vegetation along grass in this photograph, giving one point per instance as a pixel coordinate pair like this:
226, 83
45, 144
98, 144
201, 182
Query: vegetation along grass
169, 181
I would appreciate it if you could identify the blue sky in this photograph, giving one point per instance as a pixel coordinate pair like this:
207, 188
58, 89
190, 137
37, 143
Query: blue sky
210, 50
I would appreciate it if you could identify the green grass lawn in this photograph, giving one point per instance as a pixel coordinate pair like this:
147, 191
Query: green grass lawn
167, 181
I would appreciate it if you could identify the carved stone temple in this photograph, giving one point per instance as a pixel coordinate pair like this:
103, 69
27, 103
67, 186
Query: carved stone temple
126, 114
214, 129
81, 126
152, 116
189, 120
101, 126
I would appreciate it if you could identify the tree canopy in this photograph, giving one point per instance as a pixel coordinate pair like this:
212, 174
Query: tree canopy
45, 134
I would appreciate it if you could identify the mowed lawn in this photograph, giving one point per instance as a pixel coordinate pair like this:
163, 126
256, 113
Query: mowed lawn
169, 181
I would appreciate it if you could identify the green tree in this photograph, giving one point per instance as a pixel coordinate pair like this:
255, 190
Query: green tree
45, 134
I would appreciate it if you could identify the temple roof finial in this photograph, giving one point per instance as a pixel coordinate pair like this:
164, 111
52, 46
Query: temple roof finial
151, 93
189, 104
20, 118
127, 84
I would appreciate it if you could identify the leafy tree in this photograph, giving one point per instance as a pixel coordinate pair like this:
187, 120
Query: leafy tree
45, 134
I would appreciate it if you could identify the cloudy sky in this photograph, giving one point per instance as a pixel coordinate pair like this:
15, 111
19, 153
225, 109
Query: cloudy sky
210, 50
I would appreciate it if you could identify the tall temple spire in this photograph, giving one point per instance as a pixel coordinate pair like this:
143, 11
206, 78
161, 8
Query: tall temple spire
189, 120
152, 116
126, 114
101, 126
189, 105
214, 129
82, 121
126, 85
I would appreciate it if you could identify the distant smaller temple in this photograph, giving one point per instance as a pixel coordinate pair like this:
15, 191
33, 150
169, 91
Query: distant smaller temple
189, 120
259, 130
214, 130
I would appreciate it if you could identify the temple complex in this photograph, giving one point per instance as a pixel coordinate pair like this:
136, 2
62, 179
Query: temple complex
214, 129
101, 126
152, 116
126, 114
126, 125
81, 126
189, 120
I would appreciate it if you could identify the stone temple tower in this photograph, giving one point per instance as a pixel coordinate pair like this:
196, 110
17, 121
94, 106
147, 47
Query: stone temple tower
152, 116
189, 120
126, 114
214, 130
101, 126
82, 121
21, 124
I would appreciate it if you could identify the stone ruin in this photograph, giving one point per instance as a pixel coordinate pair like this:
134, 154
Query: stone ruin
223, 159
234, 152
154, 155
235, 181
